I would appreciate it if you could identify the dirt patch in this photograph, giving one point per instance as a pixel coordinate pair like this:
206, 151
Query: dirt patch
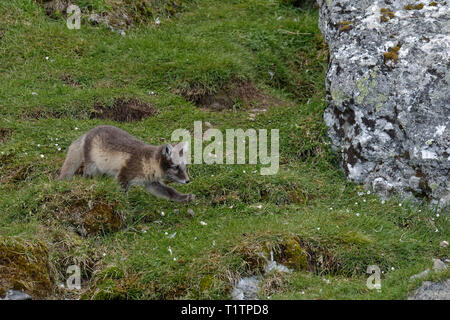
86, 212
124, 110
320, 259
4, 134
92, 218
254, 253
235, 94
54, 8
273, 283
16, 174
301, 3
69, 80
40, 113
102, 219
24, 265
116, 14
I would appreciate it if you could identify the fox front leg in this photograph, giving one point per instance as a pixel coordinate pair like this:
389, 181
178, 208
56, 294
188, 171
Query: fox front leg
162, 191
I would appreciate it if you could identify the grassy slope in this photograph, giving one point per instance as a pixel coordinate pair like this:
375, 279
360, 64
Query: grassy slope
206, 46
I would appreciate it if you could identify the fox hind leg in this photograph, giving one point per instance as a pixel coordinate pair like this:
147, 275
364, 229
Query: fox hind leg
90, 170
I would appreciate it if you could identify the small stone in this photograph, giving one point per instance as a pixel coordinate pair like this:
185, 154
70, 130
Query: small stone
16, 295
420, 275
172, 235
439, 265
191, 212
94, 19
444, 244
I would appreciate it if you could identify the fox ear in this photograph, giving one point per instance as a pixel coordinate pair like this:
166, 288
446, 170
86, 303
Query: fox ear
183, 148
167, 151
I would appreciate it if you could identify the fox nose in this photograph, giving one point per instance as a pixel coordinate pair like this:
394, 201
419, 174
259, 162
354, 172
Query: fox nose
187, 181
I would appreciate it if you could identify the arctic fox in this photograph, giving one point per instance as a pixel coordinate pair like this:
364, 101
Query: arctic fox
112, 151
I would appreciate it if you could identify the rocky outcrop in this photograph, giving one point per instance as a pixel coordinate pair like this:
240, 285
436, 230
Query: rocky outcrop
388, 89
432, 291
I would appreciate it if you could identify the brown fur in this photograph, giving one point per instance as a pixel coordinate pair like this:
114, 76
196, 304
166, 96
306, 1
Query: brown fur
112, 151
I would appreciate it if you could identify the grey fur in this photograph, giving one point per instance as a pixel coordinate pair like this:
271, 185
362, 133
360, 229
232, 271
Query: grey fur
112, 151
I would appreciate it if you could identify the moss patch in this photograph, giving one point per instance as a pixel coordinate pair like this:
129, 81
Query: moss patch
346, 28
353, 237
293, 255
102, 219
87, 213
392, 54
386, 14
414, 7
24, 265
206, 283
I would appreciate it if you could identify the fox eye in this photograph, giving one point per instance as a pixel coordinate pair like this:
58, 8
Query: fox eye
176, 167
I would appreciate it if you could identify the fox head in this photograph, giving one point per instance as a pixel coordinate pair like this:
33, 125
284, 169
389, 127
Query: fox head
174, 163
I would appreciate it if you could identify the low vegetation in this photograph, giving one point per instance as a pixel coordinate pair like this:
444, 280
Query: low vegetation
231, 64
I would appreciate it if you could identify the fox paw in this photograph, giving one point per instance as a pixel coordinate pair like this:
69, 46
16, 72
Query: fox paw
190, 197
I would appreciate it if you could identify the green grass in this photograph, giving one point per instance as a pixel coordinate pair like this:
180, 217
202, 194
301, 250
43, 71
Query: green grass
203, 46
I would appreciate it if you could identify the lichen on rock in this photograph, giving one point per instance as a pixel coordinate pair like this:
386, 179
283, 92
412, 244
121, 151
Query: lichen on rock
387, 89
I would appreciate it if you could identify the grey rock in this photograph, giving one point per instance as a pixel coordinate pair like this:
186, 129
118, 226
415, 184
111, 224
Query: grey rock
388, 95
438, 265
432, 291
246, 289
420, 275
16, 295
443, 244
95, 19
